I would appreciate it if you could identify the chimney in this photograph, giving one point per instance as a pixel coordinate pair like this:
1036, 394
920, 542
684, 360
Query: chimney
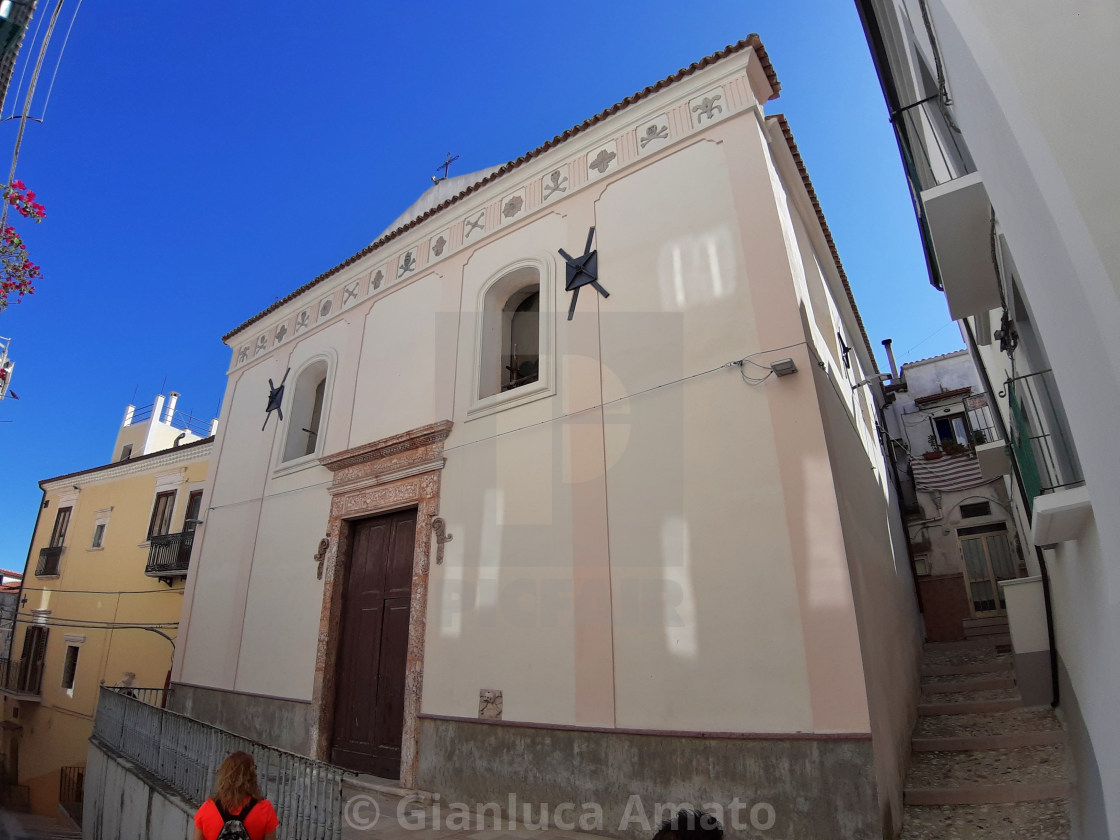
173, 399
129, 410
157, 409
890, 358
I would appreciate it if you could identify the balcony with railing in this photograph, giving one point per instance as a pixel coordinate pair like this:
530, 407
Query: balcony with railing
953, 209
49, 558
935, 152
22, 678
169, 555
1040, 438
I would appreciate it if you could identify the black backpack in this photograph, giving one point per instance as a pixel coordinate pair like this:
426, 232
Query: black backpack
233, 827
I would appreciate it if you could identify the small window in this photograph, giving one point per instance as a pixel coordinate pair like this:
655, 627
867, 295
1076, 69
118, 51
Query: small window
161, 514
70, 667
126, 452
61, 523
305, 418
98, 535
511, 333
921, 564
976, 509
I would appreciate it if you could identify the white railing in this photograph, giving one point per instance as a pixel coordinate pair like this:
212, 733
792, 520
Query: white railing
185, 753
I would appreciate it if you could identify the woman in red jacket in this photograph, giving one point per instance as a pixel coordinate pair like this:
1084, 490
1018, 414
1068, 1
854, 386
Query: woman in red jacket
238, 809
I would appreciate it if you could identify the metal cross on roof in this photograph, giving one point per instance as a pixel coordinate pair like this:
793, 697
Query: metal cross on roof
446, 167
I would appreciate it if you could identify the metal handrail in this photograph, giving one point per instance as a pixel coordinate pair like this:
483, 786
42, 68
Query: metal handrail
185, 753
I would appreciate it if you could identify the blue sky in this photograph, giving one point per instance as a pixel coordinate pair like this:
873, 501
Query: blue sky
198, 162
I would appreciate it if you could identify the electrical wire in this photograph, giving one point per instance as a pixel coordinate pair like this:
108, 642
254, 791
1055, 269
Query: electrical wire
27, 103
27, 61
58, 63
624, 397
100, 591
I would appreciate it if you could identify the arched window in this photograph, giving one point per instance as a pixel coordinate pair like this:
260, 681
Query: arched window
305, 417
511, 332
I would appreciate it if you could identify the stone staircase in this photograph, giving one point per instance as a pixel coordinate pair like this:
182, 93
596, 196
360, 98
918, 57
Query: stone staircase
983, 765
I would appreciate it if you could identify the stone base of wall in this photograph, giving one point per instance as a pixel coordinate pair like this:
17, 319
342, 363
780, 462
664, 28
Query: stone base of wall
813, 786
122, 802
271, 720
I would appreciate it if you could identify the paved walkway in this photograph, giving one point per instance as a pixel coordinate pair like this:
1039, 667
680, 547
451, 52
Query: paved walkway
983, 765
19, 826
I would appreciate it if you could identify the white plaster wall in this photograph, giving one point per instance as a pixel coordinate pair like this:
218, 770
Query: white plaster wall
209, 652
1052, 179
690, 458
669, 244
284, 599
501, 607
396, 390
246, 452
705, 605
883, 591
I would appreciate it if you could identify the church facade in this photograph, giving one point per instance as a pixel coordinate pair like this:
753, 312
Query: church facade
573, 489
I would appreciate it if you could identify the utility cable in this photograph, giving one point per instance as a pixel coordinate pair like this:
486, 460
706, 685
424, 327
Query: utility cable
58, 63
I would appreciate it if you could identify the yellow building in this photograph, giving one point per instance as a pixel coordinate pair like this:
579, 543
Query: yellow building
101, 594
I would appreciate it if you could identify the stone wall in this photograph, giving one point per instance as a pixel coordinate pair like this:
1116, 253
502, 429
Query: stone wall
122, 802
814, 786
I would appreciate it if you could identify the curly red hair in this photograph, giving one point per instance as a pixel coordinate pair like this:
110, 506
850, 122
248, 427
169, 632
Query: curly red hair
237, 781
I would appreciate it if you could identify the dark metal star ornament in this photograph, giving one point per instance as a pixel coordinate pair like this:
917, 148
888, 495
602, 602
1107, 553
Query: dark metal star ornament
582, 271
275, 398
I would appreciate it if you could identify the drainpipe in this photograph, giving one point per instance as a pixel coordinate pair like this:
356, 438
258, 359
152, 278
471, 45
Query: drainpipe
1045, 574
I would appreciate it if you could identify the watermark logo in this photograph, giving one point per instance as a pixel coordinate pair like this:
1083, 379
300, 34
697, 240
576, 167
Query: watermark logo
362, 812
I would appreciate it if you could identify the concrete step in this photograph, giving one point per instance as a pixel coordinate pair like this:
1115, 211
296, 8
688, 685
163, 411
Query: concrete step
1022, 719
978, 633
987, 776
997, 665
987, 794
969, 707
1046, 819
997, 640
984, 622
1002, 741
984, 684
388, 788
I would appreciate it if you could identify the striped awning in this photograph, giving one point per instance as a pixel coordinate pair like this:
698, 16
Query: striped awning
950, 472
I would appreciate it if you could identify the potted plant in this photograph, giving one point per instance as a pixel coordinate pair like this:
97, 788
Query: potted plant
952, 447
978, 437
934, 449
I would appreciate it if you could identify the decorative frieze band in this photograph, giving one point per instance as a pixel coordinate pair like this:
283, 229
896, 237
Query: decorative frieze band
582, 166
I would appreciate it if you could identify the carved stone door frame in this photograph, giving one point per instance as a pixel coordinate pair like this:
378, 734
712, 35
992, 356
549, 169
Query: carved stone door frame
391, 474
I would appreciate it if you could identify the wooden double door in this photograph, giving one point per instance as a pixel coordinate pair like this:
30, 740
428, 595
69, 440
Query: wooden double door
373, 645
